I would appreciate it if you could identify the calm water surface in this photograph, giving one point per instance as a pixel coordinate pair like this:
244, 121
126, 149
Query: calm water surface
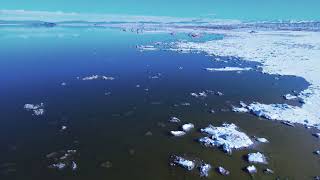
34, 63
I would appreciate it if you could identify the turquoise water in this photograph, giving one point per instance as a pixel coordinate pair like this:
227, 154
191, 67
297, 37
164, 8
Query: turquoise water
112, 128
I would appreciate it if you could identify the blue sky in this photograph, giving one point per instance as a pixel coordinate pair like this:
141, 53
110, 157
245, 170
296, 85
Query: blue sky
225, 9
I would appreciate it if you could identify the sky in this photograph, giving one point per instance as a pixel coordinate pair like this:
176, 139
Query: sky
221, 9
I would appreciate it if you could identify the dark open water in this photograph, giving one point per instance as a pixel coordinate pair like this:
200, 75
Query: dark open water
34, 63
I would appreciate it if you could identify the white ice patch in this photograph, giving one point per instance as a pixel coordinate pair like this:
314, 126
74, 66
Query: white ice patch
257, 158
280, 52
200, 94
262, 140
187, 164
289, 97
95, 77
223, 171
252, 169
174, 120
227, 137
38, 109
228, 69
239, 109
187, 127
178, 133
204, 170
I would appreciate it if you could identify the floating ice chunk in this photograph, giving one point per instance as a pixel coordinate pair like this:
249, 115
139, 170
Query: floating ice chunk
188, 164
146, 48
200, 94
58, 166
185, 104
63, 84
74, 166
257, 158
219, 93
262, 140
204, 170
289, 97
268, 171
223, 171
174, 120
178, 133
187, 127
227, 137
95, 77
63, 128
36, 108
228, 69
252, 169
317, 152
240, 109
288, 123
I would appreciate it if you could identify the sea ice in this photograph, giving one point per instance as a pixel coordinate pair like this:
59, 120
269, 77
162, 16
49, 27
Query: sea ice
228, 69
257, 158
187, 127
59, 166
204, 170
95, 77
200, 94
227, 137
188, 164
178, 133
262, 140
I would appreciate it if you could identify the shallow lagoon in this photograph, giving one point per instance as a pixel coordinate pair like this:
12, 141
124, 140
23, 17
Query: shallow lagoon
34, 63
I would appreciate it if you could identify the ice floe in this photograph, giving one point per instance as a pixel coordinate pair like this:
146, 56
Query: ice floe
251, 169
187, 127
204, 170
228, 69
257, 158
178, 133
223, 171
290, 97
174, 120
227, 137
95, 77
200, 94
262, 140
317, 135
268, 171
187, 164
38, 109
63, 159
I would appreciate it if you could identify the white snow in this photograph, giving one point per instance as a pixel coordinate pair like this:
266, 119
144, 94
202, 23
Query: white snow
239, 109
252, 169
204, 170
257, 158
187, 127
228, 69
227, 136
36, 108
200, 94
59, 165
280, 52
178, 133
188, 164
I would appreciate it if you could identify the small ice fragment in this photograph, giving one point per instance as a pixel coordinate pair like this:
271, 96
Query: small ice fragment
74, 166
268, 171
185, 104
240, 109
58, 166
107, 93
187, 127
211, 111
137, 86
107, 78
180, 67
219, 93
93, 77
204, 170
36, 108
262, 140
227, 69
189, 165
257, 158
63, 84
63, 128
223, 171
251, 169
174, 120
38, 112
289, 97
317, 152
178, 133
